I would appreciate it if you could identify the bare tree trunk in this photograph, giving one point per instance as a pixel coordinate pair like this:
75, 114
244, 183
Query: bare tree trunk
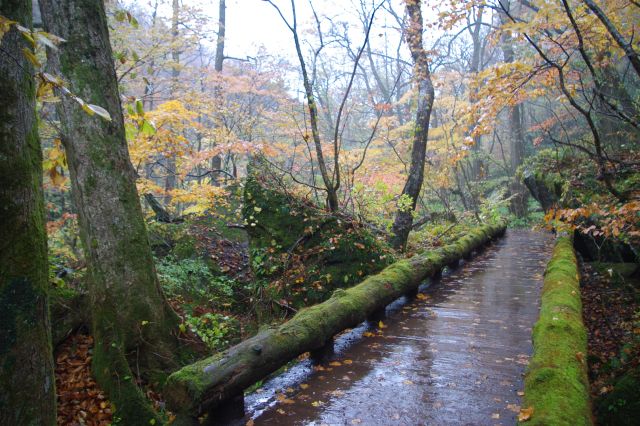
404, 216
27, 391
131, 318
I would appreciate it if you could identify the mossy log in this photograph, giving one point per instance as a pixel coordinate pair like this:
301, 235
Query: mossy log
556, 383
204, 385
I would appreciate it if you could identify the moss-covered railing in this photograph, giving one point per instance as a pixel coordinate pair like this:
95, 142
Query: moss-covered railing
556, 384
206, 384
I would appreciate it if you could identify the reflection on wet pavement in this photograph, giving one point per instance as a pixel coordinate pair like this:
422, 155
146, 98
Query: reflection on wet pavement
453, 355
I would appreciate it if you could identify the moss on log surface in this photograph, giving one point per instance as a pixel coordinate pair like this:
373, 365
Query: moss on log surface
556, 384
204, 385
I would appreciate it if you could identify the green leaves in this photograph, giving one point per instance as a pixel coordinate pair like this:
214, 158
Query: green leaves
122, 15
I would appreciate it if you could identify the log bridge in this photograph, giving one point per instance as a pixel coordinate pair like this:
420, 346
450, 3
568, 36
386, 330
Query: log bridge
203, 387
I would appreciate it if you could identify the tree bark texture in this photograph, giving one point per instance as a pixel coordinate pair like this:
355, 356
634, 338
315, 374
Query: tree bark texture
129, 313
205, 385
518, 192
27, 391
422, 75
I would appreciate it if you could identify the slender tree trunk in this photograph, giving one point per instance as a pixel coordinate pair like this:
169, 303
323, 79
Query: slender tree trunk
222, 20
27, 393
170, 181
216, 161
131, 320
332, 196
476, 63
404, 216
329, 185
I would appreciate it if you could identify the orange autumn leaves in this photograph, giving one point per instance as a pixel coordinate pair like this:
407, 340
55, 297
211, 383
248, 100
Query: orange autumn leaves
80, 400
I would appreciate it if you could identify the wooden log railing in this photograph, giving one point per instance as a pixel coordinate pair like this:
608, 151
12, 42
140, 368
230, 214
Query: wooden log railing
203, 386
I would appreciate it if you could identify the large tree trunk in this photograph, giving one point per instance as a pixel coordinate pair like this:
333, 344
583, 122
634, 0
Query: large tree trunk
27, 393
517, 190
207, 384
426, 94
130, 315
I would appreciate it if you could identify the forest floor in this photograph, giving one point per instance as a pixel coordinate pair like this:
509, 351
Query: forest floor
611, 311
80, 400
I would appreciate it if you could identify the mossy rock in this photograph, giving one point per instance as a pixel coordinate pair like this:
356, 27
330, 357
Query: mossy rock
306, 251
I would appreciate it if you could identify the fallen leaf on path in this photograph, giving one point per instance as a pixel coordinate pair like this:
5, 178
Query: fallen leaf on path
513, 407
525, 414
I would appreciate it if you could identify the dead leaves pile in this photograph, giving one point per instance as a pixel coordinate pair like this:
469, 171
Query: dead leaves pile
80, 401
608, 312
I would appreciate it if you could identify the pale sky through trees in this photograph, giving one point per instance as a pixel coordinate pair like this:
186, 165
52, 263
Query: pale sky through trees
252, 24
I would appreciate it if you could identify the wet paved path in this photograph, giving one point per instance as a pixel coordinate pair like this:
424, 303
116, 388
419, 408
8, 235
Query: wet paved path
455, 355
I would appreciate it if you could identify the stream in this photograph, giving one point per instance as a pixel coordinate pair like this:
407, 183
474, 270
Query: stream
453, 355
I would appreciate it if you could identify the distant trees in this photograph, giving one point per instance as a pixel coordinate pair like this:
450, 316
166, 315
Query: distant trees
574, 59
132, 321
27, 385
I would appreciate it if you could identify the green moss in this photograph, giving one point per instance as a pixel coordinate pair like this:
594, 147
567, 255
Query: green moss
330, 251
193, 389
112, 371
556, 384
